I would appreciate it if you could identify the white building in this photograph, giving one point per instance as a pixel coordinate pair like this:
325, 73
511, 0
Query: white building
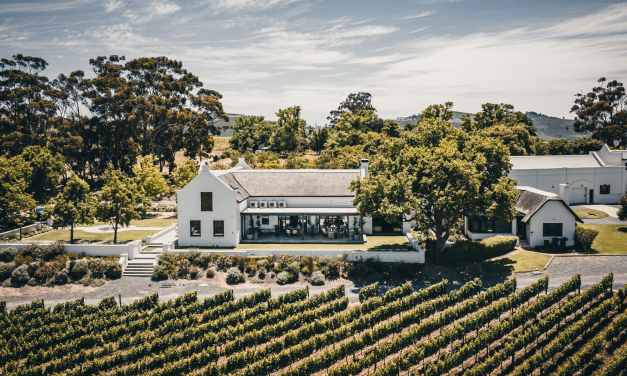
542, 216
221, 208
599, 177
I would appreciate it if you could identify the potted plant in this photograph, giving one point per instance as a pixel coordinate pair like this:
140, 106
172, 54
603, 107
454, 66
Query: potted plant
563, 242
358, 234
259, 221
255, 234
249, 234
309, 226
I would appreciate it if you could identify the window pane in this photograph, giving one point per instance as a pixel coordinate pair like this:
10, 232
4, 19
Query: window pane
503, 227
265, 220
484, 227
552, 229
206, 201
218, 228
194, 228
474, 225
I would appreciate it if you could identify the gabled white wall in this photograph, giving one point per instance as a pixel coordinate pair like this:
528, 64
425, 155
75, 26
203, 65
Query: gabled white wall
551, 212
225, 208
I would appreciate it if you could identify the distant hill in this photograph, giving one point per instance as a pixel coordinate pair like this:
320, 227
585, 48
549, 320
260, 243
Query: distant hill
220, 123
549, 127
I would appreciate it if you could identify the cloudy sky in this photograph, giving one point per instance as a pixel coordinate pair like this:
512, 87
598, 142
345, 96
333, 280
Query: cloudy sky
263, 55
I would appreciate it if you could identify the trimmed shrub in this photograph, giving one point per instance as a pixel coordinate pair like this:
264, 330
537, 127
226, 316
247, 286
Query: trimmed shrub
161, 272
221, 260
59, 262
72, 256
97, 282
51, 251
262, 264
466, 250
193, 272
205, 259
7, 283
584, 237
307, 264
332, 269
20, 276
32, 282
23, 260
317, 278
5, 270
368, 292
210, 273
193, 255
283, 278
8, 254
113, 269
60, 278
184, 268
271, 259
32, 250
45, 271
284, 260
80, 269
233, 275
97, 267
262, 274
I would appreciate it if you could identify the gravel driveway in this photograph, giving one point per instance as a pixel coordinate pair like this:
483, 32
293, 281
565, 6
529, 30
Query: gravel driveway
591, 268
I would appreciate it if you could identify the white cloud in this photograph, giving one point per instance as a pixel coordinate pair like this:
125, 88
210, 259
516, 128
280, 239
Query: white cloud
247, 5
151, 9
111, 5
418, 15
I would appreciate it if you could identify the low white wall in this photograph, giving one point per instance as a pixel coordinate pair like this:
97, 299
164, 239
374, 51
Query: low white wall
383, 256
154, 238
17, 230
132, 249
123, 261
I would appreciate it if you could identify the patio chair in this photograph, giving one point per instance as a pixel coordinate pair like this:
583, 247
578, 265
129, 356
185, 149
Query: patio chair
288, 232
295, 232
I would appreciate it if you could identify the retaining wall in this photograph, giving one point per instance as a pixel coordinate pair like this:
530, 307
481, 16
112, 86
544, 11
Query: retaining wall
132, 249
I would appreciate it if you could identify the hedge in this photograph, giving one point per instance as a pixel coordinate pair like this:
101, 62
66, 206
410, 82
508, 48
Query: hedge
466, 250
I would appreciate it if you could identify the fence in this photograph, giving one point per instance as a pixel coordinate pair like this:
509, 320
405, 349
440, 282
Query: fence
16, 231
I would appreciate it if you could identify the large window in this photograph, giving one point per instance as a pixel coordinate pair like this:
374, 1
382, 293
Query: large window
265, 220
605, 189
206, 201
218, 228
481, 225
194, 228
552, 229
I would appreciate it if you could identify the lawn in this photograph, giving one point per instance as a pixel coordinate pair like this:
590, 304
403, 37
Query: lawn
221, 143
94, 237
523, 261
612, 239
590, 213
148, 222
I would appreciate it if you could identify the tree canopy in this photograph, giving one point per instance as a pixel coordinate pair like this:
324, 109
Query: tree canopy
74, 206
15, 200
249, 132
436, 174
290, 133
602, 112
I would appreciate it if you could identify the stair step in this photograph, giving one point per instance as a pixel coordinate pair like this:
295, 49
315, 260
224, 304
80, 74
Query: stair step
136, 275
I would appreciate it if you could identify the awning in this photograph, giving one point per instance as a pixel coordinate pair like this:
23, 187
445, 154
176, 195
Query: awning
297, 211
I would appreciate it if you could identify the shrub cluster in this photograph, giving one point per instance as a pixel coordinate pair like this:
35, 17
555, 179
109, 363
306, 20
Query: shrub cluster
466, 250
584, 237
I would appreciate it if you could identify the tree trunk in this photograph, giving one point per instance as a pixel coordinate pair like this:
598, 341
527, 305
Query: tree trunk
72, 233
115, 231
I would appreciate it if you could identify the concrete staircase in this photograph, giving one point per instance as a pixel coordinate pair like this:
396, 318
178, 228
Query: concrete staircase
142, 265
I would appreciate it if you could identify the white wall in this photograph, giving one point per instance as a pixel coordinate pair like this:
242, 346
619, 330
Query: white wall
589, 178
225, 208
102, 250
551, 212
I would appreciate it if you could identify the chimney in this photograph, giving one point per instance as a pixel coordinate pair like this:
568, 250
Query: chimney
363, 171
204, 167
241, 160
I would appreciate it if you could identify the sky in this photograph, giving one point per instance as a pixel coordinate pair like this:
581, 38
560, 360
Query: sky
266, 55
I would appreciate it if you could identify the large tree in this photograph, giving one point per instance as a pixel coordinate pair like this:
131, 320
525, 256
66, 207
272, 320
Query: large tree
46, 171
290, 133
15, 200
602, 112
438, 173
121, 200
514, 128
184, 173
149, 178
73, 206
27, 104
249, 132
354, 102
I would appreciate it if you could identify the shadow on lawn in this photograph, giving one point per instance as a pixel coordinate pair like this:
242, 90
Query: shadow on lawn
500, 266
622, 229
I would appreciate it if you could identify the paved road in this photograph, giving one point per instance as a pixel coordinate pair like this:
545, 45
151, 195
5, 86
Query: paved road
591, 268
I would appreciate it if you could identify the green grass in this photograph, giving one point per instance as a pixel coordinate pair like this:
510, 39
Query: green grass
590, 213
374, 242
149, 222
521, 262
95, 237
612, 239
150, 249
221, 143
